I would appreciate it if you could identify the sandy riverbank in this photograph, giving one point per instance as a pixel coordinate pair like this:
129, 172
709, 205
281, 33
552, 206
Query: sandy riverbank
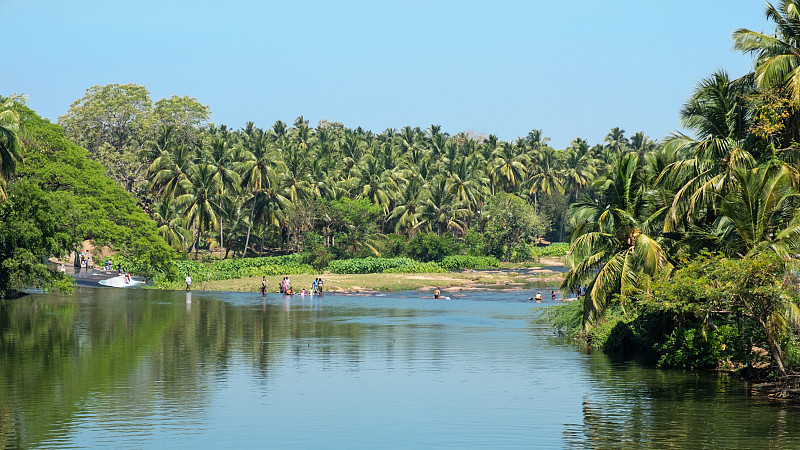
510, 279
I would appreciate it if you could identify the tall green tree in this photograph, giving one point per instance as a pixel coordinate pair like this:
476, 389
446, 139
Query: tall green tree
113, 122
200, 190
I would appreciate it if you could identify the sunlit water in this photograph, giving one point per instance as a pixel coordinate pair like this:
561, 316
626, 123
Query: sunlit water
141, 369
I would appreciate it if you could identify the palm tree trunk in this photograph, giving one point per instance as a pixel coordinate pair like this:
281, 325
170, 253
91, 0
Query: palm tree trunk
261, 247
249, 227
221, 245
774, 347
196, 244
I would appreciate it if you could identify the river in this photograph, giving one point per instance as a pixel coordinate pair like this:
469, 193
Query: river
134, 368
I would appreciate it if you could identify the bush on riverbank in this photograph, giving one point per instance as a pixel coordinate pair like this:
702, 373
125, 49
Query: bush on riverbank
298, 263
554, 249
461, 262
368, 265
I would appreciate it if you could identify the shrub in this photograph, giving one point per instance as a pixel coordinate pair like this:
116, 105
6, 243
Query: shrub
431, 247
428, 267
461, 262
554, 249
368, 265
237, 268
686, 348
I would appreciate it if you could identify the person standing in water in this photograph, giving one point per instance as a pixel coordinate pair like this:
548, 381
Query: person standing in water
436, 293
538, 297
263, 285
188, 282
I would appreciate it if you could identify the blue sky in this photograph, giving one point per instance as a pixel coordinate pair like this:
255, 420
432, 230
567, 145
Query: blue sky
571, 69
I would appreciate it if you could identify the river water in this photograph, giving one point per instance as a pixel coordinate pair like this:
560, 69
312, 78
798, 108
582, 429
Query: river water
128, 368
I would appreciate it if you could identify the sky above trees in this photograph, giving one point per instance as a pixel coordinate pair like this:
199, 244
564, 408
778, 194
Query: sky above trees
571, 69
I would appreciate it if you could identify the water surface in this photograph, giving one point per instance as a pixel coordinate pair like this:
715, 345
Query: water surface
140, 369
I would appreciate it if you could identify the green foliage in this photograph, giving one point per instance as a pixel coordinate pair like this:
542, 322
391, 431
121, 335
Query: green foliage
564, 318
229, 269
417, 267
33, 226
474, 243
461, 262
430, 246
92, 206
394, 245
369, 265
554, 249
686, 349
512, 223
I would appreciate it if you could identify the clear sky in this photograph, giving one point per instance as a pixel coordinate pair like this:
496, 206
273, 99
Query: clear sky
571, 69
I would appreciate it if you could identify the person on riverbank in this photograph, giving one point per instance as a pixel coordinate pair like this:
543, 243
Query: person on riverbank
315, 285
188, 282
263, 285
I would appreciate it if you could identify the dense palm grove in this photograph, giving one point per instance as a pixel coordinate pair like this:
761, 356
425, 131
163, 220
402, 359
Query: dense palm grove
292, 188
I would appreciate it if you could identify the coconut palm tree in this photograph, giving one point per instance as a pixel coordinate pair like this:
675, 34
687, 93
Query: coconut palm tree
507, 167
717, 114
261, 170
440, 209
171, 225
10, 144
777, 57
617, 238
408, 205
758, 215
376, 183
200, 189
170, 169
544, 175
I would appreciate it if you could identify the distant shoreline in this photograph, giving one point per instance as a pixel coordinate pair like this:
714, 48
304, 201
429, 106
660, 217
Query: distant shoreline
546, 275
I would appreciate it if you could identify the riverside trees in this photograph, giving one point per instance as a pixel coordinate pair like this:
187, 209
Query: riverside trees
732, 188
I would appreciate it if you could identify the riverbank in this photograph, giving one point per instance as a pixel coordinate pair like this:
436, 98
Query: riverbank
548, 273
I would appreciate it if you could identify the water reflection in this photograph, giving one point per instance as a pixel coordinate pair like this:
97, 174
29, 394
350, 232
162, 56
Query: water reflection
145, 368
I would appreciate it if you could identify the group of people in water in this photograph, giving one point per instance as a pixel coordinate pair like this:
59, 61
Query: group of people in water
538, 297
285, 287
